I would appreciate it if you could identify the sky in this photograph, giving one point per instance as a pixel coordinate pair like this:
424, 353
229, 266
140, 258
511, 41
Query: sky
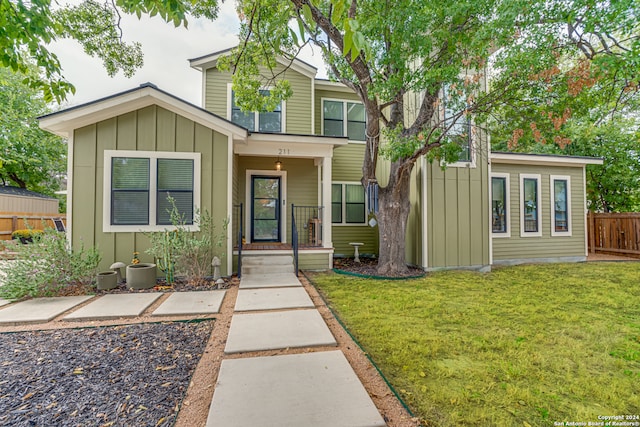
166, 49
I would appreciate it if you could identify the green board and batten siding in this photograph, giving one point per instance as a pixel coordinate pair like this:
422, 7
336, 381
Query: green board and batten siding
297, 108
458, 215
516, 248
148, 129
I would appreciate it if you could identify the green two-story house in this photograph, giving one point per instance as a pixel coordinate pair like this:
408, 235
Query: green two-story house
294, 174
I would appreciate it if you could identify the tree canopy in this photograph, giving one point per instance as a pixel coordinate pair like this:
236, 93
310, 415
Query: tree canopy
29, 157
26, 27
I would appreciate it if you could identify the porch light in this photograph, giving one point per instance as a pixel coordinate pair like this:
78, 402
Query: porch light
278, 164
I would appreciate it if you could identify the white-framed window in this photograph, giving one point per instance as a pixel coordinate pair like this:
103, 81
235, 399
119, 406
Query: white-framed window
344, 118
530, 206
348, 204
461, 131
500, 205
137, 185
254, 121
560, 191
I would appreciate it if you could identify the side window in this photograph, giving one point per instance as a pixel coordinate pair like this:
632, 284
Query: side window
348, 205
531, 224
560, 205
500, 226
460, 132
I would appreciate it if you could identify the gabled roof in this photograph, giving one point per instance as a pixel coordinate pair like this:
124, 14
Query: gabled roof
543, 159
22, 192
205, 62
63, 122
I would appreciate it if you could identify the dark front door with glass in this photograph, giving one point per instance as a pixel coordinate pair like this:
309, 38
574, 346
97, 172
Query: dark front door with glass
265, 208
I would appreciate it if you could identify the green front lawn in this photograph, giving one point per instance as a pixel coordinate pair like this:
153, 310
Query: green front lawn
527, 345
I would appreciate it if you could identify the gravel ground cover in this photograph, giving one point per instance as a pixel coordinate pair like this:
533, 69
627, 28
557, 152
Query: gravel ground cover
133, 375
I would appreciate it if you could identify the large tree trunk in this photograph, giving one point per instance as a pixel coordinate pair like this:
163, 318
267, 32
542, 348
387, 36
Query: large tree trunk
394, 206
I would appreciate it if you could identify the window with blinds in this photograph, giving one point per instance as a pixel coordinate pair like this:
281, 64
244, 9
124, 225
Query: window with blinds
175, 180
129, 191
141, 188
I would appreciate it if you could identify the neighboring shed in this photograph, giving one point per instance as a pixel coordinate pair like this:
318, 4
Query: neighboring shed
15, 199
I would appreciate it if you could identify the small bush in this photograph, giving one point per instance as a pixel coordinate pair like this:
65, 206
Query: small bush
184, 252
48, 267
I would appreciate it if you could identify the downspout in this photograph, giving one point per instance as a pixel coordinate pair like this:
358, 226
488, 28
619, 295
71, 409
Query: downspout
70, 148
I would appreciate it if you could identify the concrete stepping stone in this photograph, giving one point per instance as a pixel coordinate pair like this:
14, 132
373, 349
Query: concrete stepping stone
272, 299
191, 303
4, 302
312, 390
39, 310
253, 281
115, 306
283, 329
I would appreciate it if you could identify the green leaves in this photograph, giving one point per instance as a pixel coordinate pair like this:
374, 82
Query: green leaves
30, 157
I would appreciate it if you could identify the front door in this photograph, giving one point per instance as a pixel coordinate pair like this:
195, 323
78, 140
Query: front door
265, 208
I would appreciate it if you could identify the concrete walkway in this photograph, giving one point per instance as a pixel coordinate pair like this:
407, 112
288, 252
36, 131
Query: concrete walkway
312, 388
315, 387
109, 307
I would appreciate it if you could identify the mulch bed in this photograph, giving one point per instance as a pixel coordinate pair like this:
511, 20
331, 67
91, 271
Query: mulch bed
369, 267
134, 375
180, 285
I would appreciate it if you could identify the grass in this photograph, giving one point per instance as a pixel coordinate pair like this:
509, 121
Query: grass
521, 346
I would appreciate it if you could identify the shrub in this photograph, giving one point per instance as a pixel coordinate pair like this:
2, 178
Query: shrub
184, 252
26, 234
48, 267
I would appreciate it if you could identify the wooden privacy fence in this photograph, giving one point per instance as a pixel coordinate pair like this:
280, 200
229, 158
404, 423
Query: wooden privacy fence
614, 233
12, 221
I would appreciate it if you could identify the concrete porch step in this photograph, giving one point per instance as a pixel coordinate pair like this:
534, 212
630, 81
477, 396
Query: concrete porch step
248, 259
267, 264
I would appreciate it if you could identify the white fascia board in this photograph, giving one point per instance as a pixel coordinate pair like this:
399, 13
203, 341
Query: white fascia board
64, 123
211, 61
300, 139
334, 86
543, 159
283, 148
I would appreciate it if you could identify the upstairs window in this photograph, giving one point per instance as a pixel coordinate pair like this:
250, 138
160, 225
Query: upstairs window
460, 132
348, 204
500, 205
531, 224
137, 187
343, 118
560, 205
267, 121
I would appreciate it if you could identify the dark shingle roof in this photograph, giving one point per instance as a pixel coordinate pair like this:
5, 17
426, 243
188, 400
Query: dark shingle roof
23, 192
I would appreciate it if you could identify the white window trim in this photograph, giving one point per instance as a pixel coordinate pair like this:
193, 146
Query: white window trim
256, 121
345, 123
344, 206
552, 179
473, 143
507, 202
107, 227
538, 233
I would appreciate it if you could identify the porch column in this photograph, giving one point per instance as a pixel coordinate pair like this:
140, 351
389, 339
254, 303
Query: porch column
326, 203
